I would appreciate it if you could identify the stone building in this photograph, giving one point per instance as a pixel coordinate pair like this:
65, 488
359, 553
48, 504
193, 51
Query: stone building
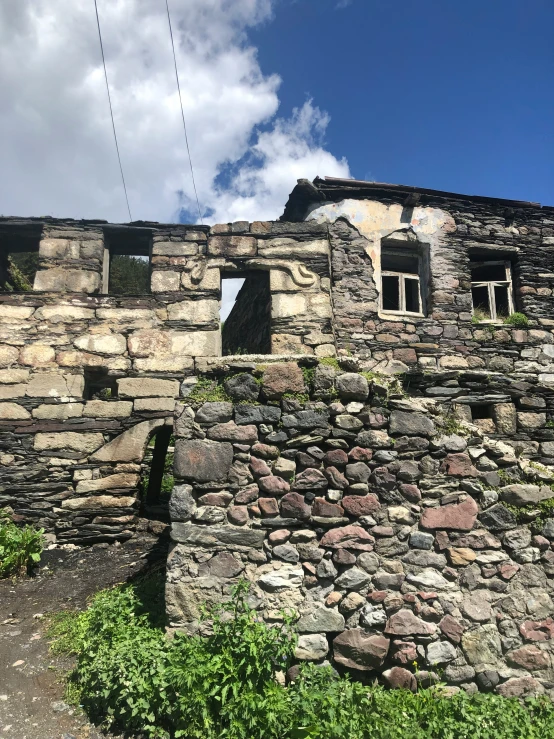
369, 440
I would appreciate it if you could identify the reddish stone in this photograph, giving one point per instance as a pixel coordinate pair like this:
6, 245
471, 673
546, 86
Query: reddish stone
269, 507
426, 596
358, 505
348, 537
281, 378
359, 650
529, 657
537, 630
427, 612
410, 492
409, 598
335, 458
457, 516
273, 485
479, 539
451, 628
335, 478
279, 537
247, 495
458, 465
231, 432
359, 454
382, 531
309, 568
323, 508
408, 356
507, 571
398, 677
343, 557
377, 596
237, 515
259, 467
541, 542
294, 506
220, 500
442, 540
310, 479
403, 652
405, 623
265, 451
254, 510
520, 687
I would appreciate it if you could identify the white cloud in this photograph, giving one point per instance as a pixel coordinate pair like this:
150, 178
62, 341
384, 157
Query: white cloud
56, 143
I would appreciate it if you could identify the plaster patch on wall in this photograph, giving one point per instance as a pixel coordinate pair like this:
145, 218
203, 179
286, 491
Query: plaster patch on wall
375, 221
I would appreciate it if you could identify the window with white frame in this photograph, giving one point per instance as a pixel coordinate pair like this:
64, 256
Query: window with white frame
491, 289
400, 280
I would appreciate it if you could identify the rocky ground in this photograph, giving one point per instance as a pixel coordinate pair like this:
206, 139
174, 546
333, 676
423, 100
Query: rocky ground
31, 680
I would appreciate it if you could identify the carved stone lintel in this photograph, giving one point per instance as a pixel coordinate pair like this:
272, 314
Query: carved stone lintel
300, 274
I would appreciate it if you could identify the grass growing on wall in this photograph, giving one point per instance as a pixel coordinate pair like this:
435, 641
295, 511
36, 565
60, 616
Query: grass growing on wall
132, 678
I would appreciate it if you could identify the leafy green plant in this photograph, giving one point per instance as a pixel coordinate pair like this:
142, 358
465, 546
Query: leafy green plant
519, 320
207, 390
479, 316
20, 547
131, 677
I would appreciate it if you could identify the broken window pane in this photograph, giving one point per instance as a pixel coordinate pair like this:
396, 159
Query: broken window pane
391, 293
501, 300
411, 288
480, 297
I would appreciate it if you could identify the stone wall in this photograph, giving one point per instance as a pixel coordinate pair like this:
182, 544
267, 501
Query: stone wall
247, 329
412, 544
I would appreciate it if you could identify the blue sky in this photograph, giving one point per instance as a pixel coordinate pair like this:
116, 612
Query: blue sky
448, 94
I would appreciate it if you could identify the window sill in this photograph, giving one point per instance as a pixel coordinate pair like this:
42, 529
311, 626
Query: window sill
400, 314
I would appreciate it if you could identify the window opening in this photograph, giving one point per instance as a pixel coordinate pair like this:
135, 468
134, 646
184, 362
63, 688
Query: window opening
246, 323
157, 474
482, 416
99, 385
19, 257
491, 290
400, 281
127, 261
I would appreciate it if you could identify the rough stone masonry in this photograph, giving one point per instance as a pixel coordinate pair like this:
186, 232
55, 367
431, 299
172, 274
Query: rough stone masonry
381, 462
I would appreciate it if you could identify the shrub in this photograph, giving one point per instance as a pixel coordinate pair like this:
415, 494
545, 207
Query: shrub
20, 548
517, 319
222, 686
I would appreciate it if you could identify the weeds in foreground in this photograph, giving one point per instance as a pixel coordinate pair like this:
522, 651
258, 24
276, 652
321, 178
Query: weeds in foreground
20, 547
129, 676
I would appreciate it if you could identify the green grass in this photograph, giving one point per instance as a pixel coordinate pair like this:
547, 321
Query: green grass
132, 678
20, 547
519, 320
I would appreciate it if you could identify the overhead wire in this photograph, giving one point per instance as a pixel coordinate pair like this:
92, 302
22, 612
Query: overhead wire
182, 110
111, 110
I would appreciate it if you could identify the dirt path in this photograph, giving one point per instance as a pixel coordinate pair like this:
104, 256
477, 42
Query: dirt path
31, 687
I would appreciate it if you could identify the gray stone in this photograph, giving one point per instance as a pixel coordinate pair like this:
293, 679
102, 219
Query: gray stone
498, 518
357, 472
248, 414
482, 647
369, 562
242, 387
351, 386
203, 461
209, 536
286, 552
181, 504
320, 620
130, 445
353, 579
282, 579
225, 565
517, 538
440, 653
311, 647
522, 495
425, 559
212, 412
421, 540
411, 424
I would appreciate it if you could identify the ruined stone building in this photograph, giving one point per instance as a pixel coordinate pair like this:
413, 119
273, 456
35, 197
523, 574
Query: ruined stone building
369, 440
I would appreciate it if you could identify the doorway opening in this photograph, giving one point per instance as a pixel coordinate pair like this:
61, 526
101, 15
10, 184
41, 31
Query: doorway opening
246, 327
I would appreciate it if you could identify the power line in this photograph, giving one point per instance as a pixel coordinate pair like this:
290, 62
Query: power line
182, 111
111, 110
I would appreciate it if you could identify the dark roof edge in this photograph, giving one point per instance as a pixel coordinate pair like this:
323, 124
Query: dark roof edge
51, 220
331, 189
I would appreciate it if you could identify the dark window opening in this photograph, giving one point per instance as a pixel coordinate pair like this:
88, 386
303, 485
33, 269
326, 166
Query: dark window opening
127, 261
400, 280
247, 327
19, 257
482, 417
99, 385
157, 475
491, 289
